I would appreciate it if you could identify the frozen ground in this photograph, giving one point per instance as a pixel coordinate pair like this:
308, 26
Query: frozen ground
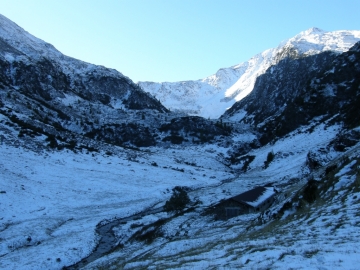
322, 235
51, 202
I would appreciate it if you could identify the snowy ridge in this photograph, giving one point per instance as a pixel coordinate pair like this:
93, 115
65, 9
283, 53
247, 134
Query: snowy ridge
25, 42
21, 51
74, 185
37, 49
211, 96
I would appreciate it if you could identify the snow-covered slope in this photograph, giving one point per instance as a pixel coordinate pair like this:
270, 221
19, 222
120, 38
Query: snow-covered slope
72, 183
211, 96
35, 48
294, 92
24, 56
50, 202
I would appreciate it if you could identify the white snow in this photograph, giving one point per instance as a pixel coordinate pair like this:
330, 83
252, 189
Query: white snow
238, 116
51, 202
33, 48
58, 198
321, 236
69, 99
211, 96
346, 169
269, 191
345, 179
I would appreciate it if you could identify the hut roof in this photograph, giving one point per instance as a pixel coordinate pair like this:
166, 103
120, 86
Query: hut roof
255, 196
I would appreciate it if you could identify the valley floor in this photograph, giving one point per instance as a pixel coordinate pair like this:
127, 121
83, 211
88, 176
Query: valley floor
51, 202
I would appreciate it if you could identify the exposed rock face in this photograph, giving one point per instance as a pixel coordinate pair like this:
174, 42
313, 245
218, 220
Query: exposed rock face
281, 103
194, 128
45, 78
54, 93
37, 67
45, 92
213, 95
280, 84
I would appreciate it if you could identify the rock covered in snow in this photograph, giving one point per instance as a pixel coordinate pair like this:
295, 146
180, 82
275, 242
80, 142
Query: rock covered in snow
211, 96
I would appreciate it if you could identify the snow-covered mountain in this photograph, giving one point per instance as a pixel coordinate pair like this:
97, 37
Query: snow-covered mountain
27, 46
21, 54
88, 160
51, 92
211, 96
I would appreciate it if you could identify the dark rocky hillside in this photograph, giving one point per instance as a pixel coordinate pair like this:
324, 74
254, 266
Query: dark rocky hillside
296, 91
280, 85
45, 93
333, 94
51, 96
46, 80
195, 129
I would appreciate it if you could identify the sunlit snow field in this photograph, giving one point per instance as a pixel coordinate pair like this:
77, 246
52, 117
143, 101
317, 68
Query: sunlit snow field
51, 202
57, 198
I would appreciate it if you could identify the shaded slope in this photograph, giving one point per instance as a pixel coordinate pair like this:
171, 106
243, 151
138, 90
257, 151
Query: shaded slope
211, 96
282, 101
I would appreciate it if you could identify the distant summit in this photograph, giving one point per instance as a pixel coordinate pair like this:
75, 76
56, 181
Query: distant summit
213, 95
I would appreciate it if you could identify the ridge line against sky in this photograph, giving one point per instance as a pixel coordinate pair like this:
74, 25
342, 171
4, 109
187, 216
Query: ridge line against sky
170, 40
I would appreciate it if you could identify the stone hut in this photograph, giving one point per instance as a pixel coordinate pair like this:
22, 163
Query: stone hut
254, 200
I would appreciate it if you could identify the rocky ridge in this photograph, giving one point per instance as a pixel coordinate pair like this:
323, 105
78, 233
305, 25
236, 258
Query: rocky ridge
212, 96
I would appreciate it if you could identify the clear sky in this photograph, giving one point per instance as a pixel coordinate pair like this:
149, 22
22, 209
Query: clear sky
174, 40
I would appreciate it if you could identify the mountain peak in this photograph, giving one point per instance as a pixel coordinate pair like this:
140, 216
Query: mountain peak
313, 30
211, 96
315, 40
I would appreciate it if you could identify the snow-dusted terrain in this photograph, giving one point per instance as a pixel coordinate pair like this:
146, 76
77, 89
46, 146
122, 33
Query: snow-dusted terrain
52, 201
58, 198
323, 235
211, 96
88, 160
36, 48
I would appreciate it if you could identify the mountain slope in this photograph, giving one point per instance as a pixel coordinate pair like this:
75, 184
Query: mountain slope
279, 104
45, 92
24, 56
278, 86
106, 198
211, 96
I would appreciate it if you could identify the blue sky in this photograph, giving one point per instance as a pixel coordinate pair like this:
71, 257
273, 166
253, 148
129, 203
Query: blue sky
174, 40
